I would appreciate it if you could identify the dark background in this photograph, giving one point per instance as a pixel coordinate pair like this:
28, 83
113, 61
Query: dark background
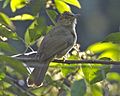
98, 19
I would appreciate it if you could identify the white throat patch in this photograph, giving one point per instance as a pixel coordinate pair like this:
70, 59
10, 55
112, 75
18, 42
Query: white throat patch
74, 24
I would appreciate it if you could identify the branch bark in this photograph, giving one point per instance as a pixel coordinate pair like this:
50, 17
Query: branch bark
30, 60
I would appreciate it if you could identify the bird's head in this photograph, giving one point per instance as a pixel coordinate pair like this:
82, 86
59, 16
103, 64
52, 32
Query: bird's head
67, 18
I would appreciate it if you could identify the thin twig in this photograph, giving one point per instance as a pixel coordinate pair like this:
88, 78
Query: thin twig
22, 89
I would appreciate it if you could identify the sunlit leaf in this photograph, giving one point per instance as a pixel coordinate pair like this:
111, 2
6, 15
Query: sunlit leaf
113, 37
100, 47
2, 72
108, 50
95, 73
112, 54
62, 6
6, 3
15, 64
27, 38
23, 17
113, 76
7, 33
6, 47
2, 75
6, 84
96, 90
17, 4
67, 69
5, 20
73, 2
78, 88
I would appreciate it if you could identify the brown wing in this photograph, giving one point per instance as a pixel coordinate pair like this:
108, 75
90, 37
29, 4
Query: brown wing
54, 42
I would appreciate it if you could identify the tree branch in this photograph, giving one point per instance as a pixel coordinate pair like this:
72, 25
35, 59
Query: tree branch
21, 88
30, 60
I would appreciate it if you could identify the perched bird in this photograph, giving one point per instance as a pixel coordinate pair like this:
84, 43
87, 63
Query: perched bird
57, 43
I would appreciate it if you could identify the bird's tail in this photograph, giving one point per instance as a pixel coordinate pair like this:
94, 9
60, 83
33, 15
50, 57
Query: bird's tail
37, 76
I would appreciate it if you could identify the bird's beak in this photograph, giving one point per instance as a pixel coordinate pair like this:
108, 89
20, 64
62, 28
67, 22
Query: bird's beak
76, 15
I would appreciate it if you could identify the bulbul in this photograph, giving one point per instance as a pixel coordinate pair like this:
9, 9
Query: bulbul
57, 43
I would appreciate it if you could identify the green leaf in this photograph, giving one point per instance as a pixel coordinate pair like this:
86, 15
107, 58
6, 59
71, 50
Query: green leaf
6, 2
113, 76
78, 88
5, 32
100, 47
2, 76
17, 4
15, 64
67, 69
48, 79
37, 6
5, 46
107, 49
113, 54
2, 72
35, 30
5, 20
95, 72
113, 37
73, 2
23, 17
27, 38
52, 15
96, 90
48, 29
62, 6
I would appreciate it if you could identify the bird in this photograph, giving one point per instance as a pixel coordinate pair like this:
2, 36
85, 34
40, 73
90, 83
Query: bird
56, 44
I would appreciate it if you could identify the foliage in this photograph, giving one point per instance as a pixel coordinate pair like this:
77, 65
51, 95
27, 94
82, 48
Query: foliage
65, 80
78, 90
5, 20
